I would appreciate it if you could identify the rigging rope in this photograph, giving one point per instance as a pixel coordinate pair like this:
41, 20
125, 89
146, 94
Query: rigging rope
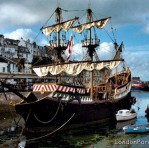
25, 122
51, 118
43, 26
107, 32
28, 115
72, 10
113, 31
48, 19
109, 35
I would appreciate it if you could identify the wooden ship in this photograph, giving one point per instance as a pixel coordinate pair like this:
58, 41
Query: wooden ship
84, 92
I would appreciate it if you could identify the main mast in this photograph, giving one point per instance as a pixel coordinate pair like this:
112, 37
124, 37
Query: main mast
90, 50
91, 45
58, 20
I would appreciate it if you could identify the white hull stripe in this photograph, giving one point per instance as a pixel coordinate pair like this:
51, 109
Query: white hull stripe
122, 92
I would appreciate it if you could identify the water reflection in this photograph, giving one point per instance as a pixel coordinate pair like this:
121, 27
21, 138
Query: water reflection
120, 125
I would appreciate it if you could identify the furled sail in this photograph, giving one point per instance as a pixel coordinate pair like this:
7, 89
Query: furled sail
99, 24
57, 27
74, 69
118, 52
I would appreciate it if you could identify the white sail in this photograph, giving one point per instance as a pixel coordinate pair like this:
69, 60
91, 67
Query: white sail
56, 28
99, 24
74, 69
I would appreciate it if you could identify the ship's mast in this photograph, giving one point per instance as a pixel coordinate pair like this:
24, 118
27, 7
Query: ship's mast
59, 43
89, 19
90, 44
90, 50
58, 21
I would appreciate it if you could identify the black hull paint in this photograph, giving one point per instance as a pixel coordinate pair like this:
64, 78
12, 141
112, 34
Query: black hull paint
53, 113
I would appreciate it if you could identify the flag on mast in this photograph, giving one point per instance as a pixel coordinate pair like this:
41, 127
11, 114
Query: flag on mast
70, 44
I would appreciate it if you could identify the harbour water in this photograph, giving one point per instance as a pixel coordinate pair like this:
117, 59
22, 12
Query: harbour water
102, 136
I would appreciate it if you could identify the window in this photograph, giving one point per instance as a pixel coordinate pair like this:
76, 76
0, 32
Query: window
3, 69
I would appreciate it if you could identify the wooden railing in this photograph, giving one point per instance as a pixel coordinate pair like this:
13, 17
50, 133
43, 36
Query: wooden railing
100, 88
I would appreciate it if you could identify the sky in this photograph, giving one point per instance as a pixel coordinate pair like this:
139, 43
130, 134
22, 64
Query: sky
130, 23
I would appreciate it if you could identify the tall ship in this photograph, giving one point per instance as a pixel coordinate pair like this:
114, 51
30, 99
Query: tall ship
80, 92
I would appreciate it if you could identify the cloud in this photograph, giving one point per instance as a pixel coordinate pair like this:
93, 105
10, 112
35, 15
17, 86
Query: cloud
16, 14
147, 29
31, 12
106, 51
138, 61
25, 13
43, 42
77, 52
20, 33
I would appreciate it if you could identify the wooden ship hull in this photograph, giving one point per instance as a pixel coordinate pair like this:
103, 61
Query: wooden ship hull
53, 112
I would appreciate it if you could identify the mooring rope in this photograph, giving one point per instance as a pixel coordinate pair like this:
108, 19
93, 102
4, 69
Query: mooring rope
46, 122
17, 122
25, 122
37, 138
28, 115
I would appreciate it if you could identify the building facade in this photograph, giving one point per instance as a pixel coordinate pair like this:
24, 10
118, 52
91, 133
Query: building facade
17, 56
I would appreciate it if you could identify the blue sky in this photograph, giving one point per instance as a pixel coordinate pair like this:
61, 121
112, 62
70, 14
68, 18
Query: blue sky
130, 18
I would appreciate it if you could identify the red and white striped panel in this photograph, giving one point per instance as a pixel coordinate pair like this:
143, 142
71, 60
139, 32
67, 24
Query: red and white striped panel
44, 87
71, 89
66, 89
53, 87
81, 91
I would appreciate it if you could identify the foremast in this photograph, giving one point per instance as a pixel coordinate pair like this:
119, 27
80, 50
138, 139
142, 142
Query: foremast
59, 49
59, 43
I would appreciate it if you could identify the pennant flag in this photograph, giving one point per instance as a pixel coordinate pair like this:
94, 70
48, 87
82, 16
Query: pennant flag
70, 44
